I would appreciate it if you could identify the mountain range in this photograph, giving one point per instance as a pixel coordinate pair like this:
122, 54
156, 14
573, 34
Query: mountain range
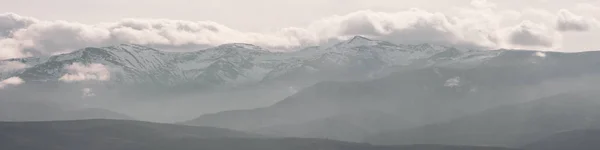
358, 91
229, 65
240, 76
444, 87
416, 97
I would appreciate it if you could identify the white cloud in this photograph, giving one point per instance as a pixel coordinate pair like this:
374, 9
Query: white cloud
11, 48
533, 35
481, 25
481, 28
10, 22
8, 66
11, 81
567, 21
81, 72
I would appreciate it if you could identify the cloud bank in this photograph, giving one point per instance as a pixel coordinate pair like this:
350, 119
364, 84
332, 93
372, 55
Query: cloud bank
81, 72
11, 81
481, 26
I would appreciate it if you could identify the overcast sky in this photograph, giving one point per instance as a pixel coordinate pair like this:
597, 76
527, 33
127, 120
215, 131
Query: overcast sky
30, 27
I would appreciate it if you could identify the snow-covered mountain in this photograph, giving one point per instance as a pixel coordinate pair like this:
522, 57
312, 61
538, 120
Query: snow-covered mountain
239, 64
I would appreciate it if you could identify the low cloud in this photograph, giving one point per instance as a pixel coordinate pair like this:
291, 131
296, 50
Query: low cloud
80, 72
11, 48
8, 66
11, 82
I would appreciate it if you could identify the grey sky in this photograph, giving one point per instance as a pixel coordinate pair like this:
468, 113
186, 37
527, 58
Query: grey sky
248, 15
558, 24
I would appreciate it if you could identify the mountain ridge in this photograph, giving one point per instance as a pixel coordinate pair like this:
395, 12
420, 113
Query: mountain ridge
233, 64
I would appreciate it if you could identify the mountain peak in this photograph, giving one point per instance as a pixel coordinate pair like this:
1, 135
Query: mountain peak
130, 47
361, 40
357, 41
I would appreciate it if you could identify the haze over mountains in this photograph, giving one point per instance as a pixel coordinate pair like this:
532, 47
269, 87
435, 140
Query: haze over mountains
359, 90
417, 97
511, 125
